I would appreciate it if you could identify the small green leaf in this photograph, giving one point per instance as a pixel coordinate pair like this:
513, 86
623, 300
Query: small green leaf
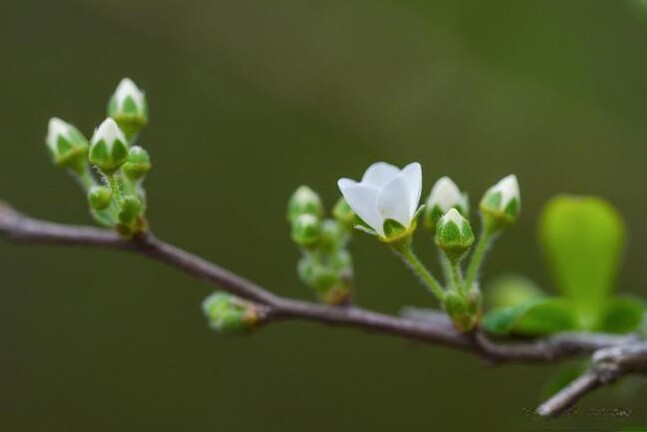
582, 238
623, 315
536, 316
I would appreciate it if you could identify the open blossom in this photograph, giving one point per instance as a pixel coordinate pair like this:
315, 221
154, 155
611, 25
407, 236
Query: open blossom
385, 192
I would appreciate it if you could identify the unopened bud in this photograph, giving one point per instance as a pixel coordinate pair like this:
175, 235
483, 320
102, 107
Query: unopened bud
230, 314
66, 144
501, 204
109, 147
138, 163
306, 230
99, 197
304, 201
454, 235
128, 107
444, 196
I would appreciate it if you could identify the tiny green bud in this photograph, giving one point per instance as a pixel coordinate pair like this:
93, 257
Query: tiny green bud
333, 236
458, 309
109, 147
128, 107
444, 196
344, 214
66, 144
99, 197
306, 230
230, 314
454, 235
501, 204
138, 163
304, 201
131, 208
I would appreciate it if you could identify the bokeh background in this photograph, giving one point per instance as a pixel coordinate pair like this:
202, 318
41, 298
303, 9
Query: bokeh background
248, 100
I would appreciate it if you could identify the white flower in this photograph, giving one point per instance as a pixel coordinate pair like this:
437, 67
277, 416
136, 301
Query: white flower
127, 88
446, 195
385, 192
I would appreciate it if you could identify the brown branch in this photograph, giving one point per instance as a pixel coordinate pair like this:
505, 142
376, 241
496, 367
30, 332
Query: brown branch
609, 365
23, 229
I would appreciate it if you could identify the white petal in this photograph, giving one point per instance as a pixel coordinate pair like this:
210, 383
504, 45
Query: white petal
394, 202
445, 194
362, 198
109, 132
128, 88
56, 128
413, 174
380, 173
453, 216
509, 188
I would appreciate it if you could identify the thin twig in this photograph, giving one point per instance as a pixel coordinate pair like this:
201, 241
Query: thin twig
23, 229
609, 365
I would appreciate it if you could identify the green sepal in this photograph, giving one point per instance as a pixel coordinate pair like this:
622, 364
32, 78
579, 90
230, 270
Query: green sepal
99, 197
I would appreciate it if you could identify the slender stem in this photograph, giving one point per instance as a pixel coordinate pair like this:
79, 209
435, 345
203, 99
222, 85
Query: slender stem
457, 276
448, 272
484, 242
414, 263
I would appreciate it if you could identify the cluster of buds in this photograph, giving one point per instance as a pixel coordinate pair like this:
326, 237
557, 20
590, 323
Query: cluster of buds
110, 168
230, 314
326, 265
386, 200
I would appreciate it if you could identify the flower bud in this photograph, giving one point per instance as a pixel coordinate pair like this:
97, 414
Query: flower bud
128, 107
138, 163
306, 230
99, 197
454, 235
131, 208
501, 204
230, 314
444, 196
66, 144
109, 147
344, 214
458, 309
333, 236
304, 201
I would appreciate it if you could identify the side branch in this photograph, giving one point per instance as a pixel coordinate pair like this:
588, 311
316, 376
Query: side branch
23, 229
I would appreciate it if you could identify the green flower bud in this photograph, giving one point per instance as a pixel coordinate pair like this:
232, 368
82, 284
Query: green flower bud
138, 163
459, 310
230, 314
501, 204
333, 236
454, 235
66, 144
444, 196
131, 208
304, 201
128, 107
344, 214
306, 230
99, 197
109, 147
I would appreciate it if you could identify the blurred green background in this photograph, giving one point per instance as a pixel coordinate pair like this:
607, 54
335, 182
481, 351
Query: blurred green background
250, 99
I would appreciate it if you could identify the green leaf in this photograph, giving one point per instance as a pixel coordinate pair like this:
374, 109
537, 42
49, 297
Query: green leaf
623, 315
536, 316
582, 238
511, 290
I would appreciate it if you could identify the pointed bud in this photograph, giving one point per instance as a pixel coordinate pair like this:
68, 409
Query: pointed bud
109, 147
128, 107
454, 235
344, 214
66, 144
138, 163
230, 314
306, 230
99, 197
501, 204
304, 201
444, 196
